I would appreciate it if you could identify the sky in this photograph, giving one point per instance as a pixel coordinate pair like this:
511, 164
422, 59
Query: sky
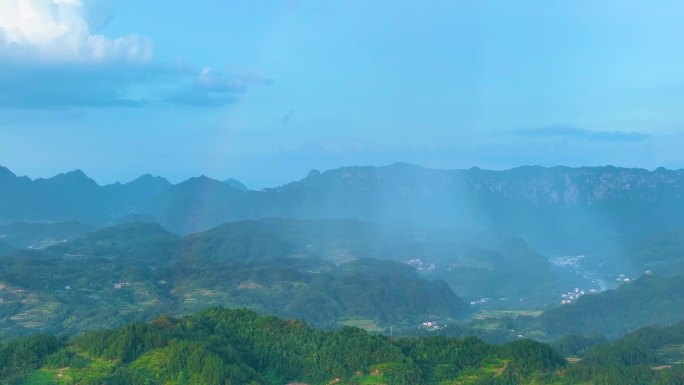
263, 91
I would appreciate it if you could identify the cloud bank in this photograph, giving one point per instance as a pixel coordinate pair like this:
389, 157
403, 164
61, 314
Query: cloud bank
50, 58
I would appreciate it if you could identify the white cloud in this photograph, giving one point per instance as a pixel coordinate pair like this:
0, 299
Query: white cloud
51, 58
57, 30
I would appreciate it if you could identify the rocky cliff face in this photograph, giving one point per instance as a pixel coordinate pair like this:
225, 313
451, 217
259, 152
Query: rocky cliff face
536, 185
580, 186
558, 205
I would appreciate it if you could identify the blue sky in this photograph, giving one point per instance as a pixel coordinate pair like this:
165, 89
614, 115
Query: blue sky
263, 91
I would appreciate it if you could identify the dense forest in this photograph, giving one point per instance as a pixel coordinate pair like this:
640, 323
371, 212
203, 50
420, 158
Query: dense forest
219, 347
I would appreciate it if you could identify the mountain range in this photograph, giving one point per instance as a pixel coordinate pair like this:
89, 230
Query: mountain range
378, 245
558, 208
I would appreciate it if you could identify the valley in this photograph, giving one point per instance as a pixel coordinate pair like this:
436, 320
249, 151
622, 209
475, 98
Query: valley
302, 192
386, 276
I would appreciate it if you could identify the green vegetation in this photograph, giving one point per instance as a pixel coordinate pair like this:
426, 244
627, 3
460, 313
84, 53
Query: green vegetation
354, 280
649, 300
492, 266
639, 357
138, 271
325, 272
20, 358
572, 345
239, 347
219, 347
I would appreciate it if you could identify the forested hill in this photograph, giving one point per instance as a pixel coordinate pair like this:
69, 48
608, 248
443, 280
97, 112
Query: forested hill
138, 271
576, 207
219, 347
649, 300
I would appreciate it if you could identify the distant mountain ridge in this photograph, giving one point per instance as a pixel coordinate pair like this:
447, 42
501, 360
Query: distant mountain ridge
557, 205
72, 196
